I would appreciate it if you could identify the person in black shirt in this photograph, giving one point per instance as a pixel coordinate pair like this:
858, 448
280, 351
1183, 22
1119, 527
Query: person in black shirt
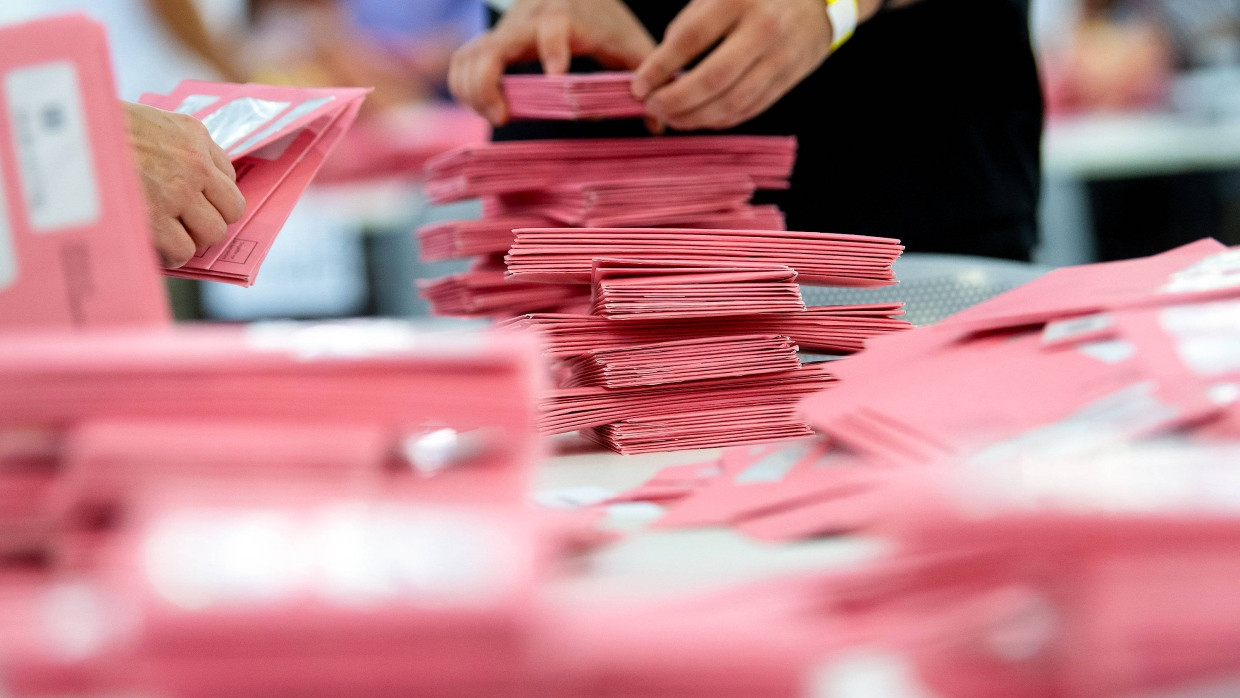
924, 126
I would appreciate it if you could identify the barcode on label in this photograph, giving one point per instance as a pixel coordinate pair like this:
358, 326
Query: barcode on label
53, 146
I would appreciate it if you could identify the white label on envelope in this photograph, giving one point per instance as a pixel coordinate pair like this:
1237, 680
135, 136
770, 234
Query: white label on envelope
8, 253
53, 147
1218, 271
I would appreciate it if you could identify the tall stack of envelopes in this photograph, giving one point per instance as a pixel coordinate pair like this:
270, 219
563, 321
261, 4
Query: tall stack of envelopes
671, 302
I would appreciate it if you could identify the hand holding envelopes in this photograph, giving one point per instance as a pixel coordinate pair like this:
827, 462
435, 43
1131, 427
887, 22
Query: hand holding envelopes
277, 138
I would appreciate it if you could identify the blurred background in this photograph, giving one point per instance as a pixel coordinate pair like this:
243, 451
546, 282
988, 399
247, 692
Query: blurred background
1142, 147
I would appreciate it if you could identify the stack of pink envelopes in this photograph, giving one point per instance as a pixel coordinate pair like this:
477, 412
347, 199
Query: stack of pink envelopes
822, 329
677, 354
484, 292
363, 406
515, 166
650, 200
699, 182
679, 361
632, 290
606, 95
566, 255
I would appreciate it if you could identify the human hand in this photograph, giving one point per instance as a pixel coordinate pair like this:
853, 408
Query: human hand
765, 47
552, 31
190, 185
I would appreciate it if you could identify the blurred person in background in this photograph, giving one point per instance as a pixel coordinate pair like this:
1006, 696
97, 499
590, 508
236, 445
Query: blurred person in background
924, 126
1138, 56
399, 48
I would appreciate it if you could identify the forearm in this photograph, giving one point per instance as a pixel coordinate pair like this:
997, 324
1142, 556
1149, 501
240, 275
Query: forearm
182, 18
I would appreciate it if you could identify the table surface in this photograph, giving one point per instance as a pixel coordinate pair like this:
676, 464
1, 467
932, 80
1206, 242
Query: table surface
1100, 146
666, 564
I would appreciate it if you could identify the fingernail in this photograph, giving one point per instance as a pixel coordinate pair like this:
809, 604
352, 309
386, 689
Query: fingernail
640, 88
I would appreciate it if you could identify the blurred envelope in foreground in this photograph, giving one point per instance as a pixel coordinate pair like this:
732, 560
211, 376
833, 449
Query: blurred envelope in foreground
73, 229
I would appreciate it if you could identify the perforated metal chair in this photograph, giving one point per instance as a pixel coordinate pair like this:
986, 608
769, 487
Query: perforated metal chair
933, 286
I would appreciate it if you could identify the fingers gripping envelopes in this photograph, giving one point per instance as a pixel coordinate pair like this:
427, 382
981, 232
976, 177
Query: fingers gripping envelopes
277, 138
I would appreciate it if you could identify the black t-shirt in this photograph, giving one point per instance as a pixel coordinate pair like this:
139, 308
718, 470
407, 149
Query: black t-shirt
925, 126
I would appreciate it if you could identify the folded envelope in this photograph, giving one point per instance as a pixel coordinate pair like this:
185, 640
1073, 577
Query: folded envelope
74, 244
607, 95
683, 360
486, 293
707, 428
625, 289
277, 138
514, 166
826, 329
469, 238
652, 199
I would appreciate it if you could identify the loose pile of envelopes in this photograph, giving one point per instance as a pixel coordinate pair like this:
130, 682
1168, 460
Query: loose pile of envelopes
277, 139
1083, 362
689, 182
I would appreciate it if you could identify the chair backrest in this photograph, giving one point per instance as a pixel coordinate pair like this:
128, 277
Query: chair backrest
933, 286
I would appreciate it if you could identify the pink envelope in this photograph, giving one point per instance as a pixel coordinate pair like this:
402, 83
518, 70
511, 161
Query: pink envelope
74, 243
484, 292
278, 138
682, 360
652, 199
468, 238
827, 329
